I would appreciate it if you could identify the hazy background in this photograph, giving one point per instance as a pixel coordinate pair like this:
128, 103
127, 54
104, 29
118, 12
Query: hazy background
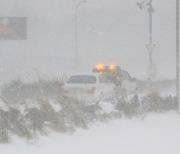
109, 31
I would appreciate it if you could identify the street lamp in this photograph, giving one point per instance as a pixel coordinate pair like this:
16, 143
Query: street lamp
150, 46
76, 30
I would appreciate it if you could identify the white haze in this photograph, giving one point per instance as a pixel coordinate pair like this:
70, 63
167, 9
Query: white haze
109, 31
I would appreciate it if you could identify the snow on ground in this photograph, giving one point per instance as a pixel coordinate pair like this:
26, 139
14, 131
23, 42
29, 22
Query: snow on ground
156, 134
107, 107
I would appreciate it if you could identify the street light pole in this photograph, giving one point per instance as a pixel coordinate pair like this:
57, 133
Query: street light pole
177, 56
76, 30
150, 46
150, 10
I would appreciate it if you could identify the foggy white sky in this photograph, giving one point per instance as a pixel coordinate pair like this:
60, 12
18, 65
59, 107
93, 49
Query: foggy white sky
109, 31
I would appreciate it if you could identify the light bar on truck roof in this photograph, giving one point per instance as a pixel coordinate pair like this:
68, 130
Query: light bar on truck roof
100, 67
106, 68
112, 67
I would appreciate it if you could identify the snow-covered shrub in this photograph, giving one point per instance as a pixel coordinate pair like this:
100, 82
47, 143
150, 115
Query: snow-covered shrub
17, 90
170, 103
4, 136
4, 125
72, 111
28, 110
51, 115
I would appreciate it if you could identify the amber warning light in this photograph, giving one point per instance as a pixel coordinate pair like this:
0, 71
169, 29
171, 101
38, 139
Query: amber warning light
112, 67
100, 67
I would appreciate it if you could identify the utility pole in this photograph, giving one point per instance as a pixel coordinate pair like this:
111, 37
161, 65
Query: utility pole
177, 56
150, 10
76, 29
150, 46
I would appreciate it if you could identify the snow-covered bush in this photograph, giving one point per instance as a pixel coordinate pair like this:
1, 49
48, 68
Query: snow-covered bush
4, 136
28, 110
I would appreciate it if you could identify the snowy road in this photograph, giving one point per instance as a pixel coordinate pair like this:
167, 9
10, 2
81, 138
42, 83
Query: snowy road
156, 134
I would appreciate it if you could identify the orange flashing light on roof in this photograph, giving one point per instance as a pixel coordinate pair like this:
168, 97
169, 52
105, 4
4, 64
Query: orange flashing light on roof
112, 67
100, 67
